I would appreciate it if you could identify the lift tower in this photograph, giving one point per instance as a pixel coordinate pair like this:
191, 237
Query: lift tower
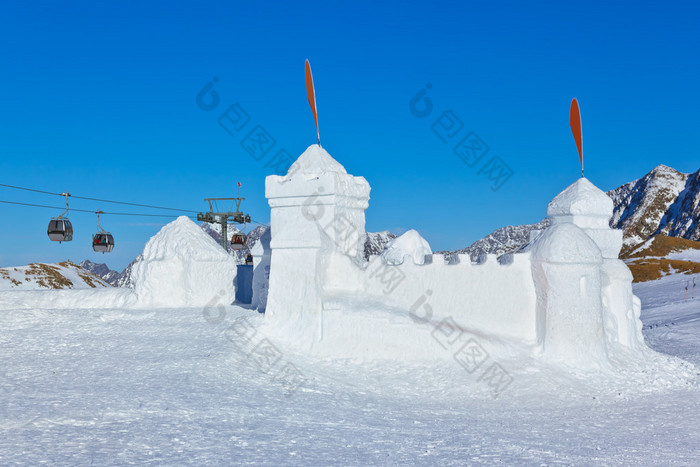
213, 216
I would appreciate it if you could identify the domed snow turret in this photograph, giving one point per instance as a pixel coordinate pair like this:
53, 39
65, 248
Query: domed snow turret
566, 267
565, 244
588, 207
583, 204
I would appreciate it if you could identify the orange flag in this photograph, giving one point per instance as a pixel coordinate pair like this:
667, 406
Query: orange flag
575, 122
311, 93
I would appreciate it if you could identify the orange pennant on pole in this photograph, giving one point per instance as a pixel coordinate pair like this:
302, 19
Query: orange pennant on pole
575, 122
311, 93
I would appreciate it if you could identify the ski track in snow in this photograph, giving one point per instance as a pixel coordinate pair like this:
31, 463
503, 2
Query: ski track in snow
168, 387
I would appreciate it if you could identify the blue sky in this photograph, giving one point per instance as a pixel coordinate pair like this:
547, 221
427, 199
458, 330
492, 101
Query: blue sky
100, 100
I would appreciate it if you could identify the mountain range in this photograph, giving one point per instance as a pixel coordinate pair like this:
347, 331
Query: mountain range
662, 202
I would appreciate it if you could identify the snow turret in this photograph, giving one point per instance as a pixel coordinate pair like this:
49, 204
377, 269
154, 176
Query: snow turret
566, 267
583, 204
315, 210
565, 244
588, 207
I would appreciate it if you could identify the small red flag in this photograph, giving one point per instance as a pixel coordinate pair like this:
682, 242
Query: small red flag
311, 94
575, 122
239, 184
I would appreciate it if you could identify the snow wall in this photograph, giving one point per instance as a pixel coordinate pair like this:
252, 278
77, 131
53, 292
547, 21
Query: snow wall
566, 299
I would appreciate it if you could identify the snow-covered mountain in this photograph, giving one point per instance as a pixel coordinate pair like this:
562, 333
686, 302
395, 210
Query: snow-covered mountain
112, 277
101, 270
375, 242
663, 202
501, 241
37, 276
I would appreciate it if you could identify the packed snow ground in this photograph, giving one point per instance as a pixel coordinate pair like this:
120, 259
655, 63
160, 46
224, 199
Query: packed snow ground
175, 386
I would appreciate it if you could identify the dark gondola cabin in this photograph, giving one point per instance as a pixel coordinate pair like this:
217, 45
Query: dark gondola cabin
238, 242
103, 242
60, 230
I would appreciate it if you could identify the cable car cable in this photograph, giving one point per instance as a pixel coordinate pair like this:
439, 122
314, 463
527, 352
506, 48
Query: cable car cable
105, 201
96, 199
91, 211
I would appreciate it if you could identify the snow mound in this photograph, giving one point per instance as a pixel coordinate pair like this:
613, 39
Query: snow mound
183, 266
315, 161
183, 239
409, 244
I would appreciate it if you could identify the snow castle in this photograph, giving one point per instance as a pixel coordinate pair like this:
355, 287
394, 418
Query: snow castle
566, 297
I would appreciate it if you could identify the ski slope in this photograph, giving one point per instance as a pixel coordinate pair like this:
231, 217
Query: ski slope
178, 387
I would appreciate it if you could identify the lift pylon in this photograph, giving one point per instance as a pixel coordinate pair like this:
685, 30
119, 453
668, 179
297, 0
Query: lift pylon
213, 216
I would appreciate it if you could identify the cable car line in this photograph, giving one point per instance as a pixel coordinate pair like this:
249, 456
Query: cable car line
110, 213
105, 201
96, 199
92, 212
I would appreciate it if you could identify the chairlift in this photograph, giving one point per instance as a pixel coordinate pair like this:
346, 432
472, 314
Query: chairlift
60, 228
102, 241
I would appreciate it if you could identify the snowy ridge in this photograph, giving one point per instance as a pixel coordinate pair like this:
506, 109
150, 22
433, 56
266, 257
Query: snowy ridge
38, 276
102, 271
502, 241
644, 207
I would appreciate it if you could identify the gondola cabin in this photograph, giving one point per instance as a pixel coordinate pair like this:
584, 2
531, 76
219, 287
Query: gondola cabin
60, 230
238, 241
103, 242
